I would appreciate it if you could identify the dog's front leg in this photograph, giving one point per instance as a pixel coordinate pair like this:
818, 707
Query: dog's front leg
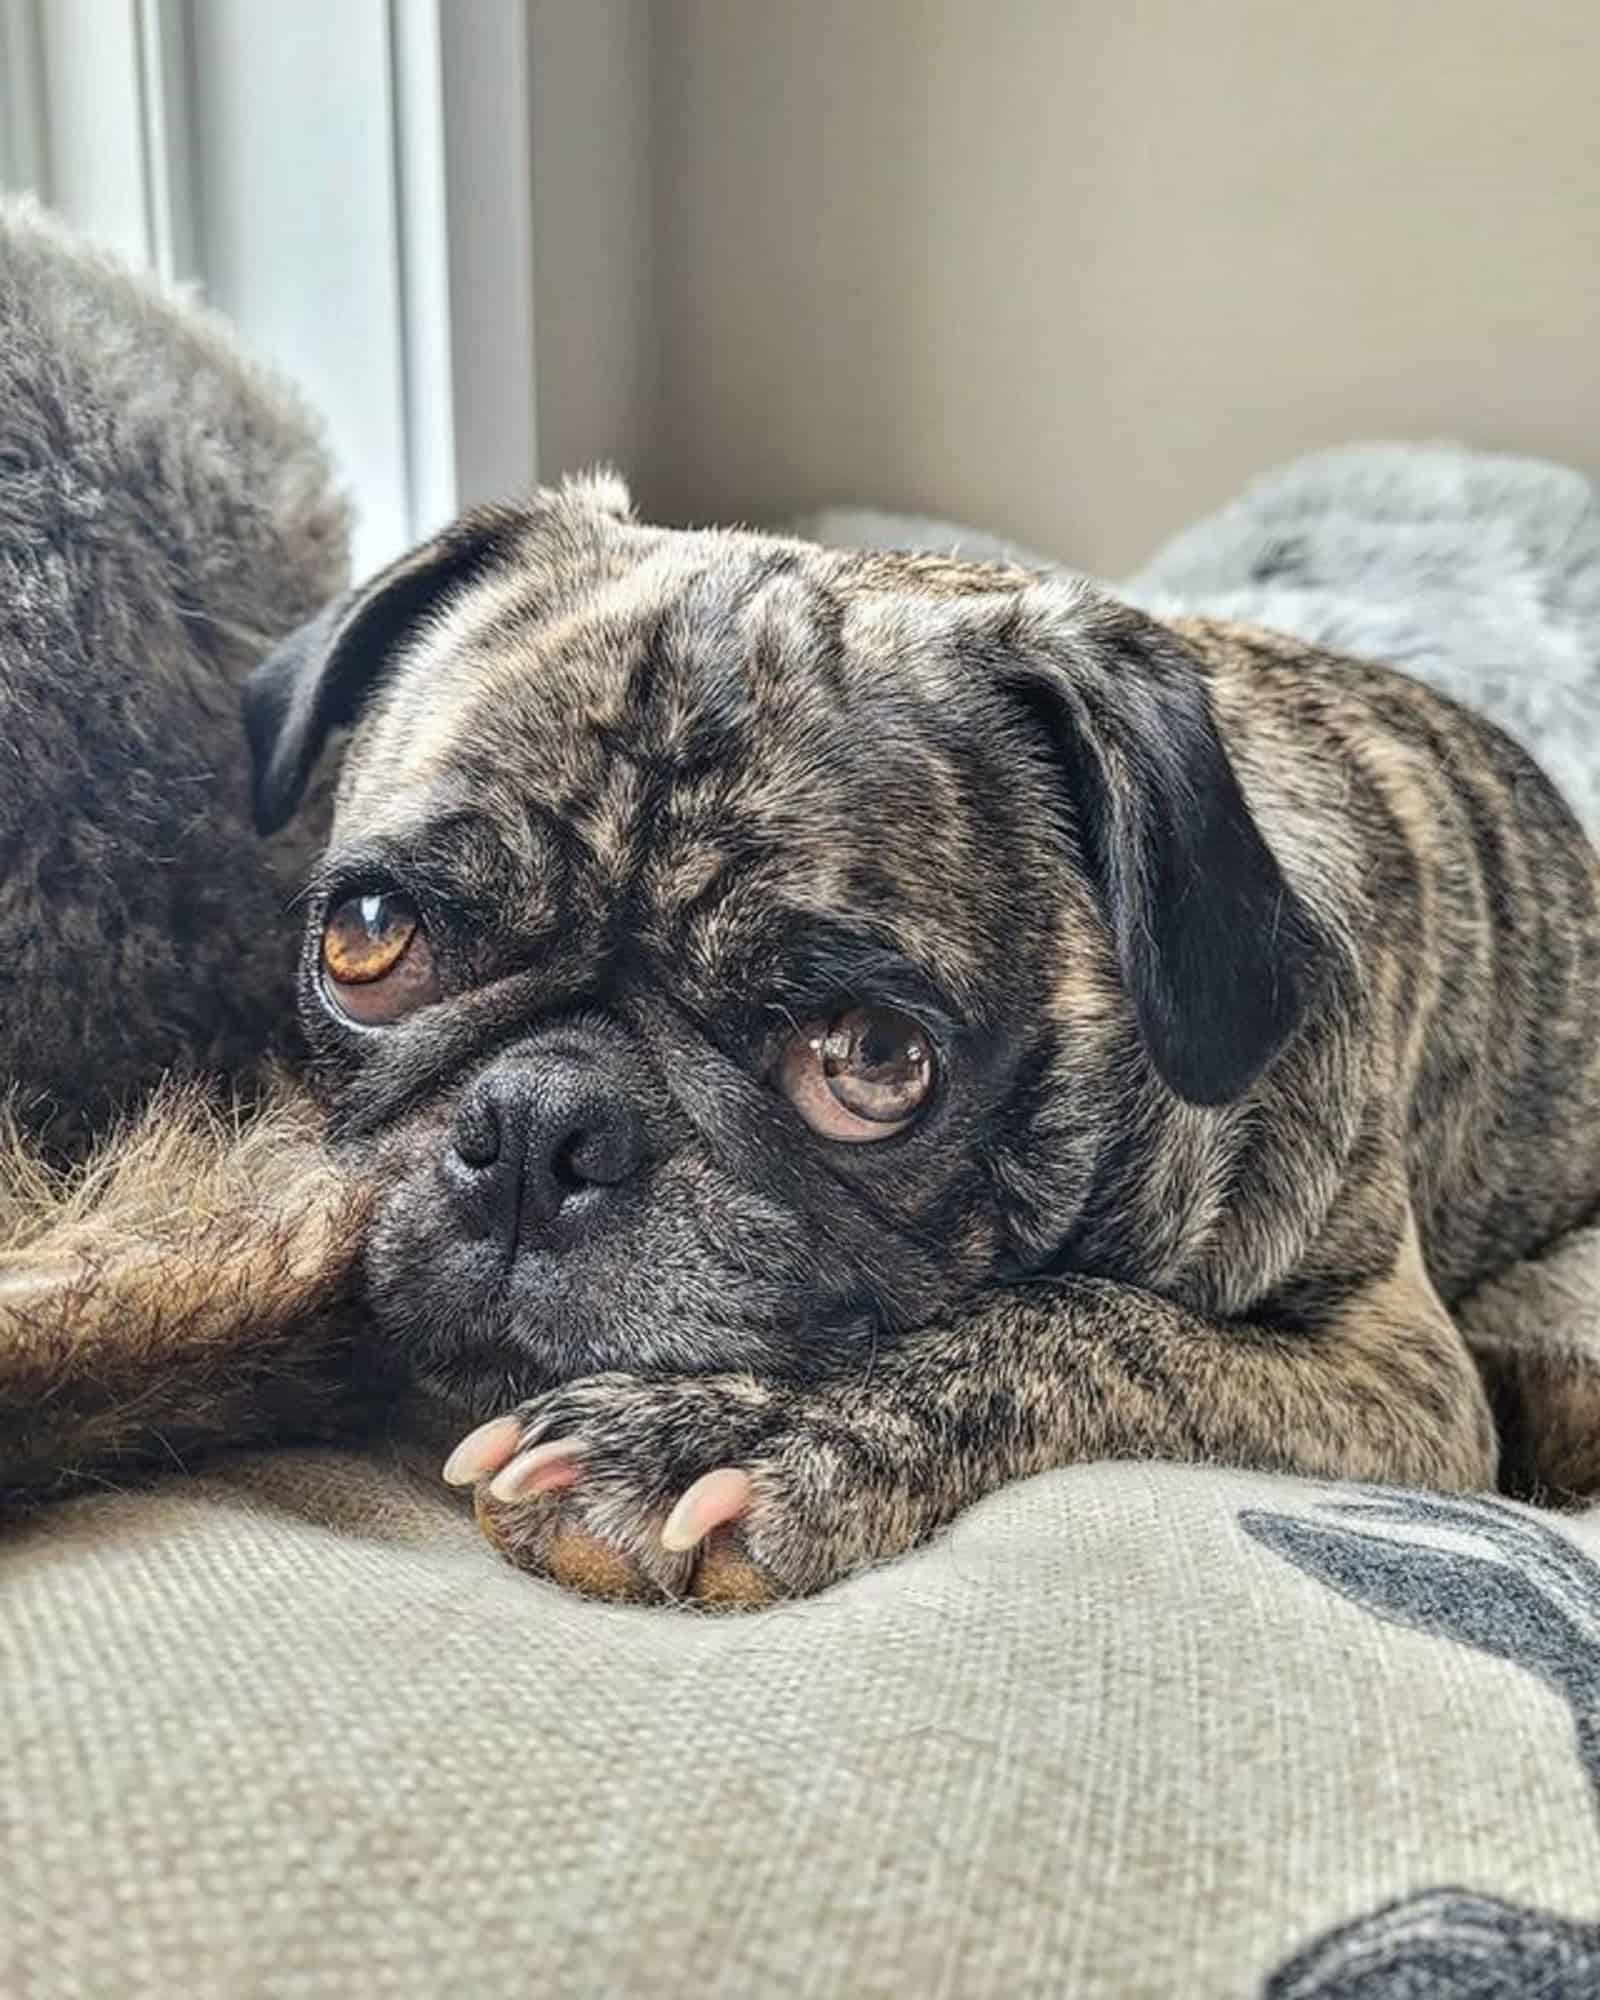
725, 1489
191, 1288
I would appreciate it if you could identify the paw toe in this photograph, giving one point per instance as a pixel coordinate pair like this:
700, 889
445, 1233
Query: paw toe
595, 1568
725, 1578
542, 1536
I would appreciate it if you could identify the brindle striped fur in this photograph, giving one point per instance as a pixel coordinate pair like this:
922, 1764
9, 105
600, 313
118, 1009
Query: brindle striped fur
1227, 1124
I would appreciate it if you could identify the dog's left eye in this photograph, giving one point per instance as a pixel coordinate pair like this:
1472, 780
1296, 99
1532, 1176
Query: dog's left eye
862, 1076
376, 960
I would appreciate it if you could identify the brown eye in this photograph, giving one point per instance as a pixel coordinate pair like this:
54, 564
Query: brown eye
376, 958
862, 1076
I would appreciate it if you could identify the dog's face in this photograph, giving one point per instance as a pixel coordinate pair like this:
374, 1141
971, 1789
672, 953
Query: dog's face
733, 949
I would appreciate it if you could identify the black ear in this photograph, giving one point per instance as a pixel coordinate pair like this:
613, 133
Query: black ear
317, 679
1218, 954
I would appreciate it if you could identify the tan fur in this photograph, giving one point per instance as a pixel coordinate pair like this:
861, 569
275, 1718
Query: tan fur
192, 1279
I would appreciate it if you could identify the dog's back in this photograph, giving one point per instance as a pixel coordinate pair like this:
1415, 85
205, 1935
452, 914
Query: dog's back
165, 511
1470, 898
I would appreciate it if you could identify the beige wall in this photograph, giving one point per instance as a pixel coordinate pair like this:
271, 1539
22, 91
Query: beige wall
1074, 271
595, 344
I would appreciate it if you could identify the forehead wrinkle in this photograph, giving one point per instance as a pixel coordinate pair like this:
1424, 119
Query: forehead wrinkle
697, 689
590, 647
608, 822
758, 918
832, 844
788, 639
625, 683
726, 625
561, 628
686, 872
698, 614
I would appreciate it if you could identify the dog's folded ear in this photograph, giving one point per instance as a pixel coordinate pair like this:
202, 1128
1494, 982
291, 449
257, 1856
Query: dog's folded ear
1218, 954
315, 681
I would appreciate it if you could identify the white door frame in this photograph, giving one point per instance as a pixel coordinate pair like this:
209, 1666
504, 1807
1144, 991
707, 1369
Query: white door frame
108, 112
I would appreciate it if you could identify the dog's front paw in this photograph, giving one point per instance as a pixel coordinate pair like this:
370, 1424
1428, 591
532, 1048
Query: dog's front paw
714, 1490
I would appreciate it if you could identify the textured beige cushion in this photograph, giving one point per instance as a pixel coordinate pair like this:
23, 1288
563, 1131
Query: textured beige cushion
291, 1729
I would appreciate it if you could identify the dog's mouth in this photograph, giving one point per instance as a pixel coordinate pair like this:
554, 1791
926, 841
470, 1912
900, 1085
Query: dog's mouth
485, 1369
479, 1351
468, 1335
703, 1277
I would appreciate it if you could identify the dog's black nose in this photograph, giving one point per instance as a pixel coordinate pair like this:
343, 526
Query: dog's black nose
537, 1143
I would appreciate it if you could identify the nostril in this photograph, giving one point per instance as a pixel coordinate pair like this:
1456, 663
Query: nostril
476, 1136
564, 1168
605, 1151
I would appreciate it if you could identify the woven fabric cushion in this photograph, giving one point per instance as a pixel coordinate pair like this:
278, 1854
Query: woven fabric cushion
291, 1729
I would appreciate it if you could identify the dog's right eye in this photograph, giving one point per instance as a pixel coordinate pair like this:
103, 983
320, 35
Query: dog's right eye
863, 1076
377, 964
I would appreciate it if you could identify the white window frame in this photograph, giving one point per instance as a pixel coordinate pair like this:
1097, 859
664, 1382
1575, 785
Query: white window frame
99, 104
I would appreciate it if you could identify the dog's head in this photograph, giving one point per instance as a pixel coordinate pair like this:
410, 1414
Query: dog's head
736, 948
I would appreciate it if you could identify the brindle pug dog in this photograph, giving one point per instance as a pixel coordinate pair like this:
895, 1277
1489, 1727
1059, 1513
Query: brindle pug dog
831, 1033
840, 1032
